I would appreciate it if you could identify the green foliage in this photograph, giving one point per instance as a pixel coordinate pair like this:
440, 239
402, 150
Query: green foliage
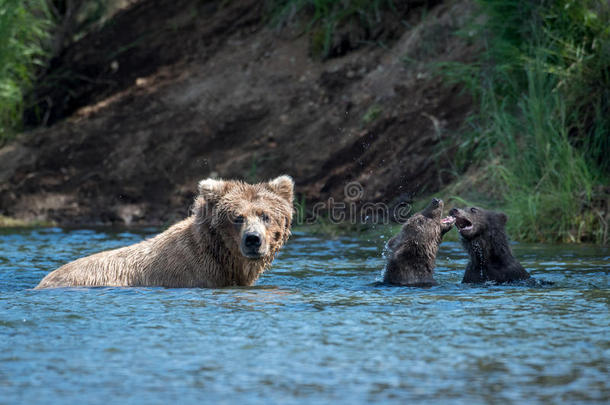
547, 183
571, 39
327, 15
372, 114
32, 32
543, 82
23, 28
8, 222
300, 210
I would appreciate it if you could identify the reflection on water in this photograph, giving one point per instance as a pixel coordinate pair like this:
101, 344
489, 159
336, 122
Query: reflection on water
315, 328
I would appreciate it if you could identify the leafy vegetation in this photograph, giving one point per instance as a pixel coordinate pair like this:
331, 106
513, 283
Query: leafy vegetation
543, 83
32, 32
327, 16
372, 113
7, 222
24, 28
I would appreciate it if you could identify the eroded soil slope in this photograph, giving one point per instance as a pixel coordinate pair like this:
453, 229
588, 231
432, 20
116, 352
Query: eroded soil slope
172, 91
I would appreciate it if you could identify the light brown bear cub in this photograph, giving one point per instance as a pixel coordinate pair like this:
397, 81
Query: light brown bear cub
230, 239
412, 253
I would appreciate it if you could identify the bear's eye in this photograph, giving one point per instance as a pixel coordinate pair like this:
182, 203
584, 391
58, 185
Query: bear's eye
265, 217
239, 219
473, 210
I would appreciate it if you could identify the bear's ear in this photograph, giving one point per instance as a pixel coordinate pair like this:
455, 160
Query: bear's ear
503, 218
282, 186
211, 189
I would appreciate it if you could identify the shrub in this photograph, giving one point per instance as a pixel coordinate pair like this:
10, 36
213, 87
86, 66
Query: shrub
23, 29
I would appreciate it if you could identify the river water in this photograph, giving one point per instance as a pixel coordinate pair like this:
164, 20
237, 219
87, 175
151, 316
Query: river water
315, 329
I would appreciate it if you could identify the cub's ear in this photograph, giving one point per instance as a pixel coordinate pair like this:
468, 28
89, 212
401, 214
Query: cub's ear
503, 218
283, 186
211, 189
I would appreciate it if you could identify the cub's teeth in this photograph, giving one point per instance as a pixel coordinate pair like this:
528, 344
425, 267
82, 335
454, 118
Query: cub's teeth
466, 228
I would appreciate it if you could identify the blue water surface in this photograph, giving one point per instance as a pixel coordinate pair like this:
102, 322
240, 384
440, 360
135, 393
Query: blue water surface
315, 329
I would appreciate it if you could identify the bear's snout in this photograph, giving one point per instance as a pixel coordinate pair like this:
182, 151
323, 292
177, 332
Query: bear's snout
463, 222
251, 245
252, 240
434, 209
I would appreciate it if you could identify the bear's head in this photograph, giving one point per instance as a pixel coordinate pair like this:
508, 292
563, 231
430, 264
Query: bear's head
473, 222
253, 220
426, 225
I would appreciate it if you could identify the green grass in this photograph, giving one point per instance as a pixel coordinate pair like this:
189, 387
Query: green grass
325, 16
372, 114
541, 133
31, 33
24, 26
8, 222
546, 182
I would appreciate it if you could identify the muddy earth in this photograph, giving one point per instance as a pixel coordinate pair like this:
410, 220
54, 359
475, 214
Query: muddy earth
168, 92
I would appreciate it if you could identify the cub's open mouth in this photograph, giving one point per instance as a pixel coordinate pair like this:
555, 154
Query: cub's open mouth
448, 220
463, 224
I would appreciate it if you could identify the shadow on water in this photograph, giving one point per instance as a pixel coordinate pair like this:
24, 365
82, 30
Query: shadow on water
315, 328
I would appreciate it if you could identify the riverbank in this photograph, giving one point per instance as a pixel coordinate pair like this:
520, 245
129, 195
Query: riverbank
389, 97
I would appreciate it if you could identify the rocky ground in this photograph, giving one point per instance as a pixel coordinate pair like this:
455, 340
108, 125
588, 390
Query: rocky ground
173, 91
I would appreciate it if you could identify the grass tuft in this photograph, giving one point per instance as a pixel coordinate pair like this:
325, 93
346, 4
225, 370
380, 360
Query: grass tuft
325, 16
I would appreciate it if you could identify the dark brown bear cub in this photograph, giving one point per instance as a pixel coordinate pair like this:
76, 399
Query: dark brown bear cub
412, 253
484, 238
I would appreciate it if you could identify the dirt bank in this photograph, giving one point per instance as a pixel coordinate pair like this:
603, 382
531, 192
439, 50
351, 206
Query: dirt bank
169, 92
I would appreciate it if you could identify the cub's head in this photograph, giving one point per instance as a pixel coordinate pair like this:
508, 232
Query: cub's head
426, 226
253, 220
472, 222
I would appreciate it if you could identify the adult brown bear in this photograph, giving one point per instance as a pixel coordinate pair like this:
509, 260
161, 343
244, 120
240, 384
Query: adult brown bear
230, 239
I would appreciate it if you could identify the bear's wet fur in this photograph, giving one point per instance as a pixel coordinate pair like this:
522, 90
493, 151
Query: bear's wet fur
483, 236
231, 237
412, 253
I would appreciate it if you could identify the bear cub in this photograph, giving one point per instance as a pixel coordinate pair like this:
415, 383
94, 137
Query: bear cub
412, 253
484, 238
